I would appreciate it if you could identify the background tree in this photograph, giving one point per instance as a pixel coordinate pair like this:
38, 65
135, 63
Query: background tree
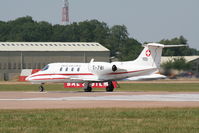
179, 64
178, 51
115, 38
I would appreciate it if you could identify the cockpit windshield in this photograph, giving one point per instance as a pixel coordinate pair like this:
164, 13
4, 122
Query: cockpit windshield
45, 68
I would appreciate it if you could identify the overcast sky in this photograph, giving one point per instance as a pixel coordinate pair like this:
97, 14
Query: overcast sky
146, 20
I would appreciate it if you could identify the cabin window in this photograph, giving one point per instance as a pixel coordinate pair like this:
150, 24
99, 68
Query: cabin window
45, 68
61, 69
72, 69
78, 69
66, 69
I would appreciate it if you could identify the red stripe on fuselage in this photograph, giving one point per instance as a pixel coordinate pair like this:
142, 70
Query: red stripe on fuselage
117, 73
48, 78
72, 74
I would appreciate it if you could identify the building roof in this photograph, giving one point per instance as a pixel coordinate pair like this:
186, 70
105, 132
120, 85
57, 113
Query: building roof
187, 58
51, 46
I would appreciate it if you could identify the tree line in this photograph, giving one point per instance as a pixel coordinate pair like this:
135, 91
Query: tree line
115, 38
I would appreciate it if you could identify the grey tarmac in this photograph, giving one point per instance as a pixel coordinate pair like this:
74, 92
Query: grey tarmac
67, 100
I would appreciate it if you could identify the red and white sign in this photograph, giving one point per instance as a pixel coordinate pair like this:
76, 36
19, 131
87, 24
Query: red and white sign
94, 85
148, 53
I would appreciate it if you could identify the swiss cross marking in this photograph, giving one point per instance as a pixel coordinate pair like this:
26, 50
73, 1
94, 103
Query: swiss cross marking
148, 53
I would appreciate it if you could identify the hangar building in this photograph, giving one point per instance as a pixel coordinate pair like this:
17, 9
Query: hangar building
194, 60
15, 56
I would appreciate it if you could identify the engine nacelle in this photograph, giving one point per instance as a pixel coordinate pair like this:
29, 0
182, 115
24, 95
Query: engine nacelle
101, 68
114, 68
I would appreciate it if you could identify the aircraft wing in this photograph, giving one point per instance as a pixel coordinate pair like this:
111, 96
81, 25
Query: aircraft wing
148, 77
93, 78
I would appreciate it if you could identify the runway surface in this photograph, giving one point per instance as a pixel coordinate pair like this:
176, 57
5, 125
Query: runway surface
51, 100
158, 98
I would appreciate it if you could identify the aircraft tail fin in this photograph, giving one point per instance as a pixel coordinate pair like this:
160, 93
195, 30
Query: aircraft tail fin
151, 54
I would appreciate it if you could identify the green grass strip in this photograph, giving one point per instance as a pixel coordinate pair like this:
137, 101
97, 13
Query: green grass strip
144, 87
100, 121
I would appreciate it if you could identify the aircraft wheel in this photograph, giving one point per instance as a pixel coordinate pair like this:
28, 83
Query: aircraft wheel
41, 88
110, 87
87, 88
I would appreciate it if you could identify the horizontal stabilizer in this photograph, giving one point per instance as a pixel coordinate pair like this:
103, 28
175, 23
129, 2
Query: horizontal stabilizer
171, 46
164, 46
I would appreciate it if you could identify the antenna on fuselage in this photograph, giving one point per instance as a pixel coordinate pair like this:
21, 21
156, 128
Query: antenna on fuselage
92, 60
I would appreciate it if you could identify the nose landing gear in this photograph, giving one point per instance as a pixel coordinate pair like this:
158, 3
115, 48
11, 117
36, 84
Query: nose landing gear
41, 88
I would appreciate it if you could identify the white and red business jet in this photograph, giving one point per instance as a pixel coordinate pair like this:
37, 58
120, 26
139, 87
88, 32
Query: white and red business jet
147, 64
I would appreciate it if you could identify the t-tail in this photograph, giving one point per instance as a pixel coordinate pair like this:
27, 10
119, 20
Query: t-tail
151, 55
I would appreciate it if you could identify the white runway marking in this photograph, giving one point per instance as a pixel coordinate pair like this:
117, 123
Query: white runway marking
35, 92
169, 97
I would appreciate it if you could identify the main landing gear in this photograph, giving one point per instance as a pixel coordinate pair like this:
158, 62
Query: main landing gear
41, 88
110, 87
88, 88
